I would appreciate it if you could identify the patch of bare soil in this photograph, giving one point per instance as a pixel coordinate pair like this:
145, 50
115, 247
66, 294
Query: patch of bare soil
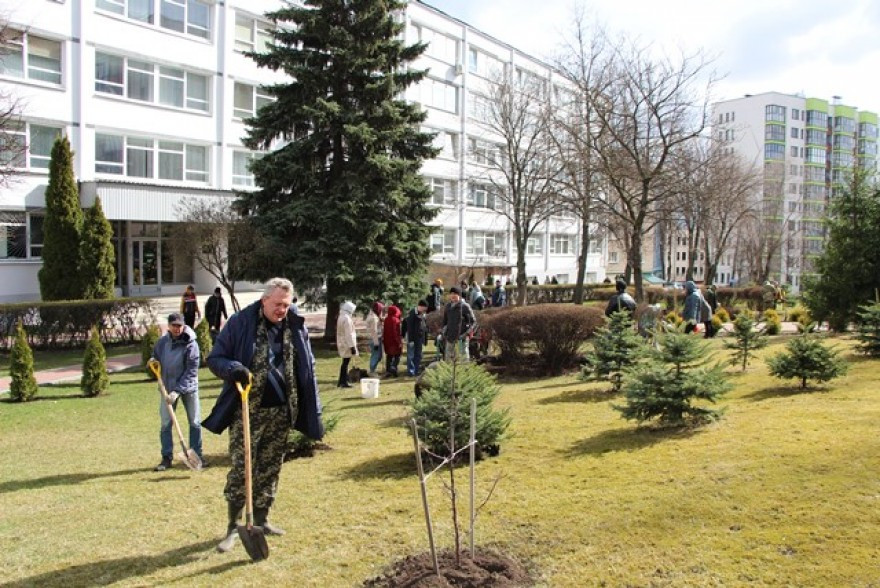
487, 569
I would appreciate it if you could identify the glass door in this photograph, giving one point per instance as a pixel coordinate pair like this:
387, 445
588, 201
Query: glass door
145, 266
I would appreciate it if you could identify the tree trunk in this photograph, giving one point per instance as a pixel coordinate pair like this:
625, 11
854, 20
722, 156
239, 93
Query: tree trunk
522, 280
636, 262
332, 314
582, 262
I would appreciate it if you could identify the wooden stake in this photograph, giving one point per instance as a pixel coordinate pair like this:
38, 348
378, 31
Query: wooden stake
424, 488
473, 452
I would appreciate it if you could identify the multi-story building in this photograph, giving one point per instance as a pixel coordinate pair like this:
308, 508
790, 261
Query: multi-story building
152, 95
808, 147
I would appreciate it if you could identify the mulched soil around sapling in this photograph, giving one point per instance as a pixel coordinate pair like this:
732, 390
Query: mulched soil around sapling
487, 569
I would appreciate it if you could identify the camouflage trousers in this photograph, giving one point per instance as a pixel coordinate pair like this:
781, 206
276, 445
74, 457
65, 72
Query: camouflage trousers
269, 431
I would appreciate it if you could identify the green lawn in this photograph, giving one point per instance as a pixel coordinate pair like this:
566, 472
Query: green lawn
45, 360
783, 491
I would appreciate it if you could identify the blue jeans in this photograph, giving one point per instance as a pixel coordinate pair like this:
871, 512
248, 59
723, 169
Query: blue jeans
191, 404
457, 350
375, 356
413, 357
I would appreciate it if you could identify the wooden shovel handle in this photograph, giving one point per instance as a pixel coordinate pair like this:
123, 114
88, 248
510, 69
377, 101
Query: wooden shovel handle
246, 434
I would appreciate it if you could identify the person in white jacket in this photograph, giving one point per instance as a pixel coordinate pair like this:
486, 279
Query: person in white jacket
346, 341
375, 320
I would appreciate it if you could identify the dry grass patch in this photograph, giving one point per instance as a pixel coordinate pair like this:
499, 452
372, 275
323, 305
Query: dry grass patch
783, 490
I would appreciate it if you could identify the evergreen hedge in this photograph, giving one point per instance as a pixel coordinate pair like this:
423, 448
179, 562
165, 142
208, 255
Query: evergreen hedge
148, 342
95, 380
24, 385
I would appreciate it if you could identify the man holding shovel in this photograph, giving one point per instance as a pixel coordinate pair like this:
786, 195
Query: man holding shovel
178, 354
266, 343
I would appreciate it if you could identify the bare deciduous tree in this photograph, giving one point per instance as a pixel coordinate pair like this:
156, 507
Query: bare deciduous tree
525, 170
13, 144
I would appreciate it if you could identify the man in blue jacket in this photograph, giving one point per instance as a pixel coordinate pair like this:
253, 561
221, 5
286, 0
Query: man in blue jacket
178, 353
268, 341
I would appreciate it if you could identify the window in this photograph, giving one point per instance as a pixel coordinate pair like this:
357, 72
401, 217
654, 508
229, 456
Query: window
136, 157
21, 235
241, 170
535, 245
247, 100
437, 94
846, 142
440, 46
32, 57
868, 130
485, 244
27, 145
794, 151
191, 17
775, 113
483, 64
774, 133
817, 118
815, 137
612, 257
561, 244
841, 159
844, 124
774, 151
443, 242
137, 80
484, 196
251, 34
816, 155
795, 113
794, 133
483, 152
446, 142
442, 191
41, 140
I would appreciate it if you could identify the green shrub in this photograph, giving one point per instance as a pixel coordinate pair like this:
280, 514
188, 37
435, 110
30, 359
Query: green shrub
807, 359
800, 314
869, 329
94, 379
203, 339
722, 314
299, 445
436, 407
673, 319
615, 347
772, 323
148, 342
746, 340
21, 368
555, 331
666, 385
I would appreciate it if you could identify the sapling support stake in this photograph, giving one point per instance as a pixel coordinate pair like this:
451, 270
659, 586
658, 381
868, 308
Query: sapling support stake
422, 480
473, 455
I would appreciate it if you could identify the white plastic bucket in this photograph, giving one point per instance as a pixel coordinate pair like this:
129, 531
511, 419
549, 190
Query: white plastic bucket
369, 387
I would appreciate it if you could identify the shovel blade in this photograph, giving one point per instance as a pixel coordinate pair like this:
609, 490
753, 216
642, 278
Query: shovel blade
254, 541
190, 459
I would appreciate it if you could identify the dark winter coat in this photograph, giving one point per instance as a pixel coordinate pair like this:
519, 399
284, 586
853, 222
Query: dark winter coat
215, 308
499, 296
620, 301
435, 298
391, 339
235, 346
179, 359
458, 320
414, 327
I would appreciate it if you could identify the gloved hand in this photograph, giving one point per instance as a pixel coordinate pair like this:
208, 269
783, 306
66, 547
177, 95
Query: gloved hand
172, 397
240, 374
354, 351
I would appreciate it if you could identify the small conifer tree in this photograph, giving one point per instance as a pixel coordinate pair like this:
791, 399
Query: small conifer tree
869, 329
96, 258
807, 359
23, 386
203, 339
746, 340
94, 379
772, 322
148, 342
666, 386
615, 347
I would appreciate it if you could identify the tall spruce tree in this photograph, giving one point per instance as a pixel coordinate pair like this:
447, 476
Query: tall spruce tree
340, 197
59, 276
96, 258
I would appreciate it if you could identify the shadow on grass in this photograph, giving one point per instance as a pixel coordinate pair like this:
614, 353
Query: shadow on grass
548, 386
581, 396
398, 466
396, 423
366, 403
782, 391
627, 440
63, 480
110, 571
42, 398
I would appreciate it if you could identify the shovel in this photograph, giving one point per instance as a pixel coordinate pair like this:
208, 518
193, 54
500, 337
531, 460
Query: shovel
252, 537
187, 456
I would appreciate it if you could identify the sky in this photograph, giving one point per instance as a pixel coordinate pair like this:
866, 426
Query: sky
819, 49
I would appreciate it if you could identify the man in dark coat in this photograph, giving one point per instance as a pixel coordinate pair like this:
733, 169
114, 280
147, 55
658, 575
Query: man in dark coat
215, 312
458, 326
270, 342
415, 331
621, 300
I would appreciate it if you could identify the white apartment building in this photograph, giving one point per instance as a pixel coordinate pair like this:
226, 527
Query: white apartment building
152, 94
808, 147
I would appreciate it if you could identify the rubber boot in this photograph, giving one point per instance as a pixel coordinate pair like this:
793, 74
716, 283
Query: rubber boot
231, 529
260, 516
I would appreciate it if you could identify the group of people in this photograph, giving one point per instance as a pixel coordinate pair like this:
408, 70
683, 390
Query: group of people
697, 308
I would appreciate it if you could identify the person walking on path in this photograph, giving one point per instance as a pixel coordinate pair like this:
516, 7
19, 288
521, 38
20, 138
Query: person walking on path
178, 353
458, 324
696, 309
621, 300
189, 306
215, 312
375, 325
391, 340
415, 330
268, 344
346, 341
499, 295
435, 298
712, 301
477, 300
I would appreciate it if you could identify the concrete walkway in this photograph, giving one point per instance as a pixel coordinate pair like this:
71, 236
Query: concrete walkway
72, 373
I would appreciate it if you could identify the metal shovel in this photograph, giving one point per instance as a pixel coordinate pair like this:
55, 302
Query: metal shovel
187, 455
252, 537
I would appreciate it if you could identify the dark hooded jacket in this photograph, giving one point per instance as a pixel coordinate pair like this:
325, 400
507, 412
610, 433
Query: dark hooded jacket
235, 346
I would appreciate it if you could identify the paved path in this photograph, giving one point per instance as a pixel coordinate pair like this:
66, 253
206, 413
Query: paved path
74, 372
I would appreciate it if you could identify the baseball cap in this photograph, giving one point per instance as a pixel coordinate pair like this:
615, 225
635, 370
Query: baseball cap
175, 318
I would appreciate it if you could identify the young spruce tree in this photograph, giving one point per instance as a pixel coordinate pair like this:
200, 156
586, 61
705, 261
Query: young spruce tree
806, 358
869, 330
21, 368
97, 271
59, 276
94, 379
666, 386
746, 340
615, 347
203, 339
148, 342
341, 201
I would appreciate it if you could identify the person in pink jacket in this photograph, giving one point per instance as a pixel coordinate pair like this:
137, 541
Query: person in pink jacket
392, 340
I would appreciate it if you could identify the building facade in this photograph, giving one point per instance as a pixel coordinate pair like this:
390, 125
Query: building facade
809, 147
152, 95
